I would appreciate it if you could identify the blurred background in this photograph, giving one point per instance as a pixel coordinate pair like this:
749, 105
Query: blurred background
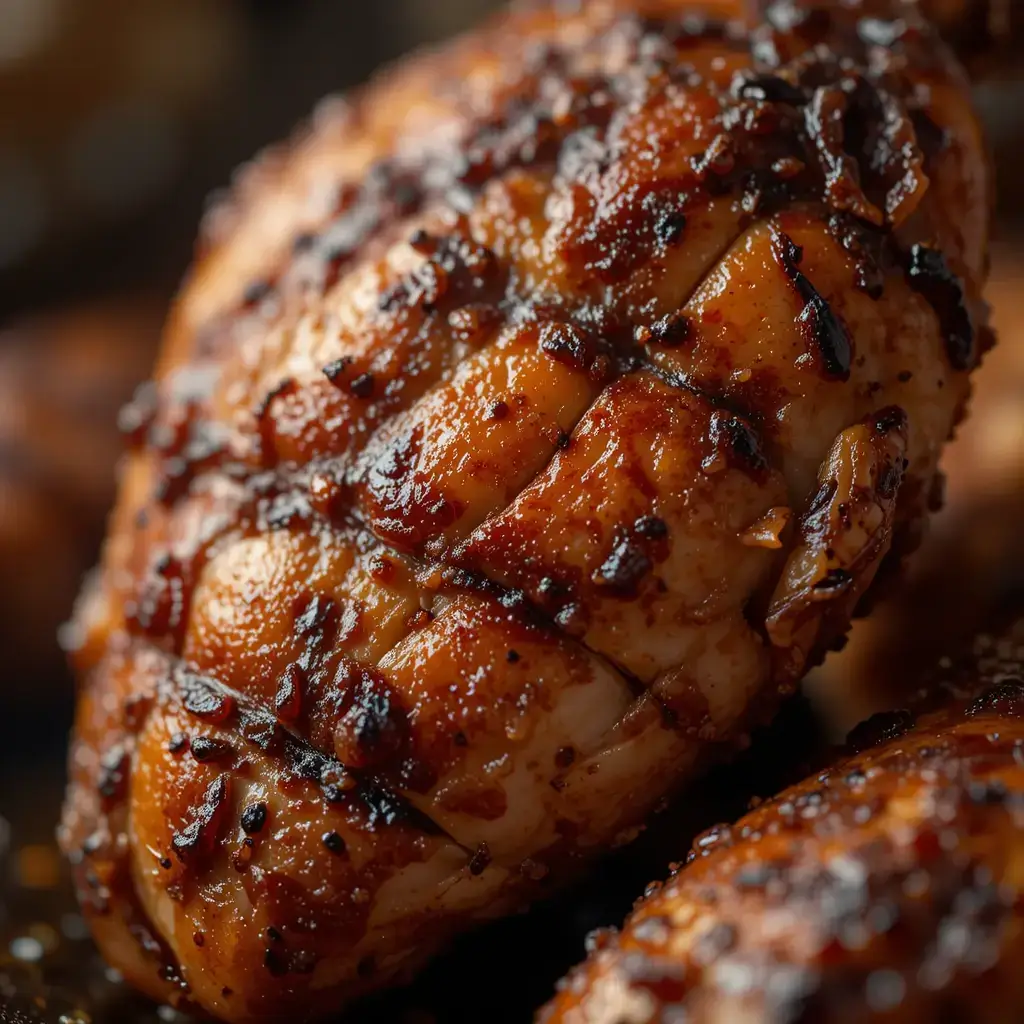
118, 119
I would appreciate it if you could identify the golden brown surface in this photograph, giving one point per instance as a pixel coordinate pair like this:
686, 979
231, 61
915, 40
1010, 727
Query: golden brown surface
972, 560
526, 429
887, 887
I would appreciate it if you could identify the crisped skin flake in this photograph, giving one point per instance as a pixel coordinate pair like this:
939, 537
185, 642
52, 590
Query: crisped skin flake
529, 425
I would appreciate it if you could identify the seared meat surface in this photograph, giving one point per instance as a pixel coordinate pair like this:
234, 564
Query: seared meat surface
887, 887
528, 426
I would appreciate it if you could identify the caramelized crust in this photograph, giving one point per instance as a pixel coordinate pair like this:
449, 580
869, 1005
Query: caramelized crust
886, 887
528, 426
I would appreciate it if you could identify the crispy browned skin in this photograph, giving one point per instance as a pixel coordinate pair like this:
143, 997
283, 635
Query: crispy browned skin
888, 887
527, 427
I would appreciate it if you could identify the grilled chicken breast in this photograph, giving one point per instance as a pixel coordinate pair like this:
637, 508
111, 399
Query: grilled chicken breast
887, 887
529, 424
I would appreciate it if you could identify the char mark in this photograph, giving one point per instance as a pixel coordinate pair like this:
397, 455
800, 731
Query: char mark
830, 334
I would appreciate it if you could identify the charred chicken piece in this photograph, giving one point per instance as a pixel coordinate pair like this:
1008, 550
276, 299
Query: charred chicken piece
527, 428
887, 887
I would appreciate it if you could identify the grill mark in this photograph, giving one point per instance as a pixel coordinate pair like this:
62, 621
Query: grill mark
832, 355
531, 615
522, 134
931, 277
258, 726
300, 754
829, 334
748, 175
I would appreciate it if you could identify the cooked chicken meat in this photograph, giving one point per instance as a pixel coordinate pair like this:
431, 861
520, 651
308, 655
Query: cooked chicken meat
971, 564
528, 426
887, 887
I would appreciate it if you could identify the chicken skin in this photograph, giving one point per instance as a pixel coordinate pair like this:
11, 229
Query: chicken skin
528, 426
887, 887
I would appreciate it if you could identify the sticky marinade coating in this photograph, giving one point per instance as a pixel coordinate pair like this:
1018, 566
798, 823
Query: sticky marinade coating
887, 887
529, 423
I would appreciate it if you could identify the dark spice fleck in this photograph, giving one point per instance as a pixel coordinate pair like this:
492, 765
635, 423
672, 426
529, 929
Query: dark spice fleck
480, 860
254, 817
334, 842
205, 748
177, 743
362, 386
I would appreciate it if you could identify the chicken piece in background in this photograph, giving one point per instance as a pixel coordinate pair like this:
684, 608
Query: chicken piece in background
886, 887
972, 560
63, 378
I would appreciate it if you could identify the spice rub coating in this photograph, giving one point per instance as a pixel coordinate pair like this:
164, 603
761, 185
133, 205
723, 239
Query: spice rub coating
528, 425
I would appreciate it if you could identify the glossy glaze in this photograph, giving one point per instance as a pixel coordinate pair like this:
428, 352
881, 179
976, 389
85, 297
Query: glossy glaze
528, 425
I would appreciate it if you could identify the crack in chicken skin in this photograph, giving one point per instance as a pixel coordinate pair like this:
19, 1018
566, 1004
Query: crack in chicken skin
528, 426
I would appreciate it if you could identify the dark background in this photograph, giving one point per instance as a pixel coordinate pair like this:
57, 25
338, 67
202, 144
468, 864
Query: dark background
117, 119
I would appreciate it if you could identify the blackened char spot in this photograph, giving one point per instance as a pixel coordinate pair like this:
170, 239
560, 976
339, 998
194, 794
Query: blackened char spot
739, 443
480, 860
254, 817
651, 527
880, 728
373, 729
623, 569
891, 418
288, 697
204, 701
834, 580
931, 277
334, 842
202, 825
567, 344
206, 748
830, 333
770, 88
670, 331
